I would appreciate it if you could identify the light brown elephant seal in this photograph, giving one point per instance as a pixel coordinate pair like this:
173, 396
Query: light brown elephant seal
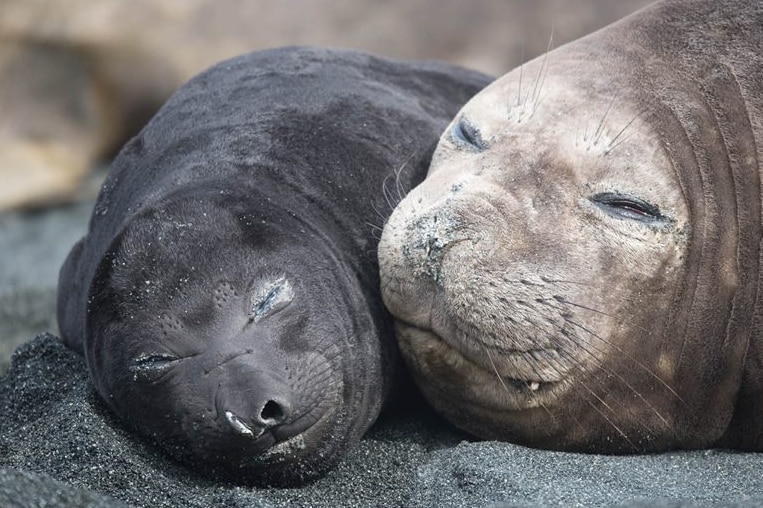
581, 268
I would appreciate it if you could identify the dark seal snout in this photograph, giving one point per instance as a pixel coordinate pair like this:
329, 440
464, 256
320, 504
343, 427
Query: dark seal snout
273, 412
252, 398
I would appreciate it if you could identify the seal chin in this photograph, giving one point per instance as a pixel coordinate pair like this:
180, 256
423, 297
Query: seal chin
281, 442
287, 442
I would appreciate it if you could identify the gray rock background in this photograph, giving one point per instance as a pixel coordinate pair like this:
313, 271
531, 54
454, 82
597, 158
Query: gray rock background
33, 245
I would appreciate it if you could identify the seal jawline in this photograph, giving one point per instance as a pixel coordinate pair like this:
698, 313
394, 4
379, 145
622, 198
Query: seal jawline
516, 370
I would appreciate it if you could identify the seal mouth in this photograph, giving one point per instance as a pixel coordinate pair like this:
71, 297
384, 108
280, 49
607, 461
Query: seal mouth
518, 371
521, 385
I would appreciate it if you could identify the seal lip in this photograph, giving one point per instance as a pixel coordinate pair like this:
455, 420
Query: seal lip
521, 384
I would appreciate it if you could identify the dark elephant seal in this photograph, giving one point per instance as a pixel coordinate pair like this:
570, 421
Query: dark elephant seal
581, 269
226, 295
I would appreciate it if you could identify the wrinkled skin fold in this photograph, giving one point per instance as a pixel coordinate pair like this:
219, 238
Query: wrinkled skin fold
580, 270
226, 296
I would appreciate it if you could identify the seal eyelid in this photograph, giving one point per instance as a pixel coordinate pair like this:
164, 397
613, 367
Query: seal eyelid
151, 367
269, 298
466, 135
622, 206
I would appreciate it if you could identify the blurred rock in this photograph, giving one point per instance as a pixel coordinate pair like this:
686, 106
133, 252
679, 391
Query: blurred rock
33, 245
78, 77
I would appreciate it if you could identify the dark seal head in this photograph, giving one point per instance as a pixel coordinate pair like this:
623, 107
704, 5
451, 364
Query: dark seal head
226, 296
581, 268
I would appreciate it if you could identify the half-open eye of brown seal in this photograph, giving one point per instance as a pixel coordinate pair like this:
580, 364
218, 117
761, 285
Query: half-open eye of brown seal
622, 206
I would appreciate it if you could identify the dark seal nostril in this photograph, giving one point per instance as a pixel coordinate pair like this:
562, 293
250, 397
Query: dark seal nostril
273, 413
433, 234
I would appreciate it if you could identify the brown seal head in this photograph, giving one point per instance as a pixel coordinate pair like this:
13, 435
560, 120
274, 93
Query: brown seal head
581, 268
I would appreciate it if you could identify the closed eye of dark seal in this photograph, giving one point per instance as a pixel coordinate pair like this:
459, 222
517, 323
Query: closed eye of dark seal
226, 296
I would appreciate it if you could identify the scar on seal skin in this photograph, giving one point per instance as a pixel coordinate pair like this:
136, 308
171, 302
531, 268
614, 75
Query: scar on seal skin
226, 296
581, 268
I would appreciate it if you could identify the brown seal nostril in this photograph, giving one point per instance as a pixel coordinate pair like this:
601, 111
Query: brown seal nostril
434, 232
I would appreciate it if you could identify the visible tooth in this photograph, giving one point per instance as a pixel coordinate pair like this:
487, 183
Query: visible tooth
240, 426
534, 385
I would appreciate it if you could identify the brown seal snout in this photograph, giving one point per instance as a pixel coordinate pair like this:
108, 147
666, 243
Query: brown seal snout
430, 238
